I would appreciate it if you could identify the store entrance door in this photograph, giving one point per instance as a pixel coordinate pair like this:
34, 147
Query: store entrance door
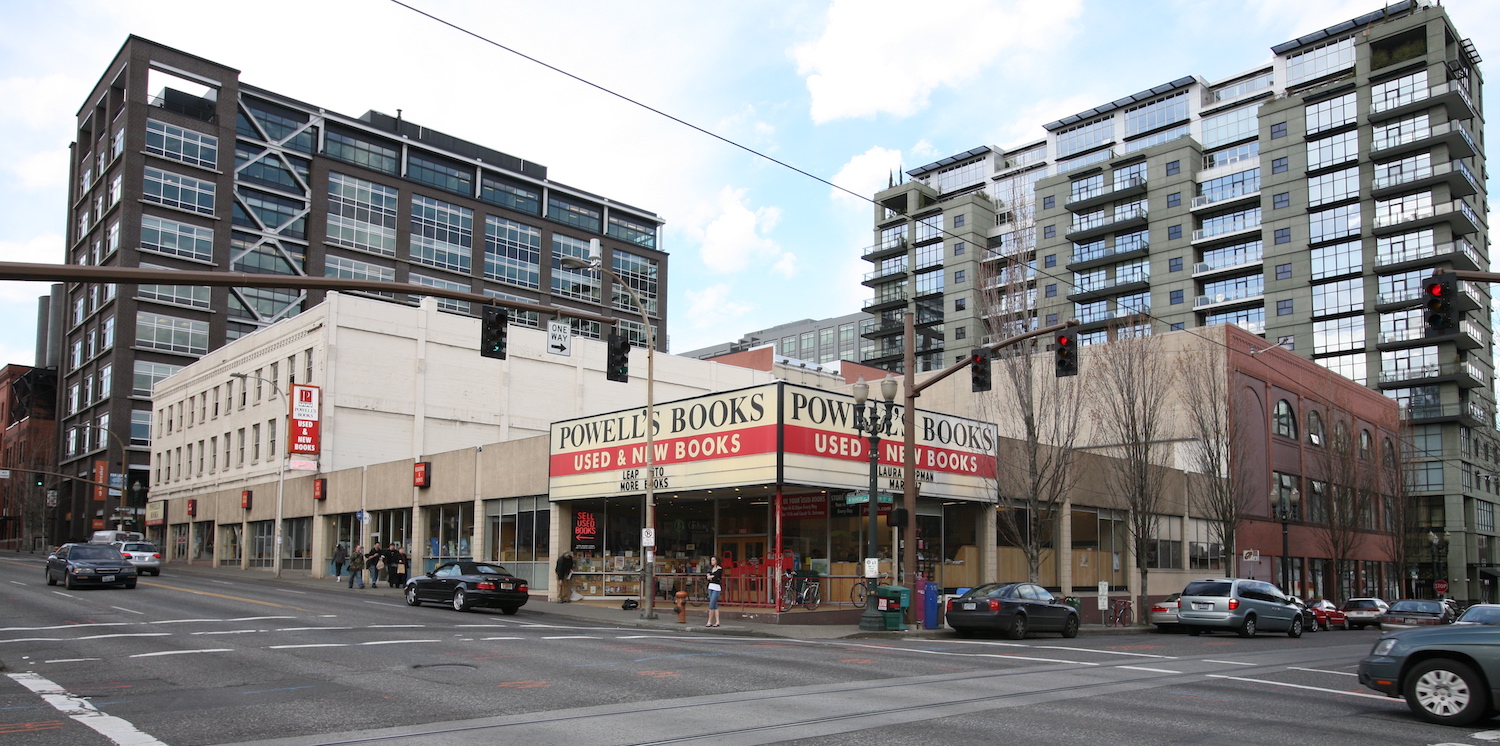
744, 558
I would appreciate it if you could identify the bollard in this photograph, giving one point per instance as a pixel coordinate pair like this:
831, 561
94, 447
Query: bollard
682, 607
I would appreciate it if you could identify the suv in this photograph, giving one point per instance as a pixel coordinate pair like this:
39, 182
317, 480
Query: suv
145, 556
1364, 611
1238, 604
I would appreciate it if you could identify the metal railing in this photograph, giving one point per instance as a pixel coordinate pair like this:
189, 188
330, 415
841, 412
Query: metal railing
1242, 294
1248, 189
1220, 229
1427, 252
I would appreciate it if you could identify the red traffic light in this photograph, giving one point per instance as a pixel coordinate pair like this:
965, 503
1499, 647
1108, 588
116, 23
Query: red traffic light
1062, 339
1435, 289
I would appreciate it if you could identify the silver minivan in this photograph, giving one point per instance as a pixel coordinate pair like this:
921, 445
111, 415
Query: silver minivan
1238, 604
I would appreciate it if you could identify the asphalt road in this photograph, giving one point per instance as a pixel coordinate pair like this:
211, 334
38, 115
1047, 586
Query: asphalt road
193, 659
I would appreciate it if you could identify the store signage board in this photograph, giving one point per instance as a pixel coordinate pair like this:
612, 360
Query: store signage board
305, 416
730, 439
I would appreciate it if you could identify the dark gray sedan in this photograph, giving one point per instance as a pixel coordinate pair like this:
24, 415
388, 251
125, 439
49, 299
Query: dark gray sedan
76, 565
1013, 608
1447, 673
466, 585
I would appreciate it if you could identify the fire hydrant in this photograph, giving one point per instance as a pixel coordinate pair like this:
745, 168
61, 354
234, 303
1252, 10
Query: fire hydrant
682, 607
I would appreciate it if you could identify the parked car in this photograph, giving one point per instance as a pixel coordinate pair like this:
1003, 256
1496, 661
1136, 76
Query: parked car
1363, 612
466, 585
76, 565
1480, 614
1015, 608
1328, 613
112, 537
145, 557
1240, 604
1164, 613
1447, 673
1416, 612
1309, 617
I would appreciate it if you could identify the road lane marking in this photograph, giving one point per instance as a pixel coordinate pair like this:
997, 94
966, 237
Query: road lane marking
1299, 686
65, 595
231, 598
483, 639
258, 618
395, 642
393, 626
307, 629
1228, 663
289, 590
282, 689
133, 611
310, 645
1322, 670
228, 632
17, 582
181, 652
570, 637
115, 729
1143, 668
73, 660
67, 626
88, 637
221, 582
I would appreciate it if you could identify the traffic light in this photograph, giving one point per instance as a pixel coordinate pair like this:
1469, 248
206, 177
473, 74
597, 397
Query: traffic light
1065, 350
1441, 294
37, 479
494, 325
617, 362
979, 369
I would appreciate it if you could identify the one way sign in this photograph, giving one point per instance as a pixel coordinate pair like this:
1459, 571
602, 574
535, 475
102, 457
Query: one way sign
560, 338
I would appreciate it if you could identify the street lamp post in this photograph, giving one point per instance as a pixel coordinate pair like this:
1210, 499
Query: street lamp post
596, 262
1439, 553
873, 422
1285, 513
280, 471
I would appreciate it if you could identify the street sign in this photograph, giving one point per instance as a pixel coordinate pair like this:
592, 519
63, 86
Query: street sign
362, 516
860, 498
648, 537
560, 338
4, 473
1103, 595
872, 567
1250, 555
1441, 586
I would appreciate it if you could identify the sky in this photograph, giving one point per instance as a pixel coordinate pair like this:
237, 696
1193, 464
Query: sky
851, 91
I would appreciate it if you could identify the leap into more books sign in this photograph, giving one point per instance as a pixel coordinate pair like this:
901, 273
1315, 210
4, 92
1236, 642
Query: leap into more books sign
306, 405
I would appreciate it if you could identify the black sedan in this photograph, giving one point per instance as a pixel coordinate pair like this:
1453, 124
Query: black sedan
1014, 608
76, 565
465, 585
1446, 672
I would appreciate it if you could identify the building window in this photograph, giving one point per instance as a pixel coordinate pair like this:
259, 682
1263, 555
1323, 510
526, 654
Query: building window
574, 213
958, 248
1278, 166
640, 273
1344, 296
1340, 222
1331, 113
1051, 319
1173, 167
1284, 271
1284, 420
1177, 327
1337, 259
171, 141
959, 276
1049, 260
1278, 130
361, 214
440, 173
178, 239
1174, 231
960, 304
512, 252
176, 190
447, 304
363, 151
1332, 150
632, 231
441, 234
582, 284
514, 195
1174, 199
1320, 60
1283, 307
1174, 264
1230, 126
1049, 202
1051, 290
958, 221
1281, 200
961, 333
353, 269
171, 334
1283, 235
1049, 231
1338, 335
1175, 297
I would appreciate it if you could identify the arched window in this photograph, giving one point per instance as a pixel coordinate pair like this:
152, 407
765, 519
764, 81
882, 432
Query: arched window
1340, 438
1314, 427
1364, 445
1284, 420
1388, 454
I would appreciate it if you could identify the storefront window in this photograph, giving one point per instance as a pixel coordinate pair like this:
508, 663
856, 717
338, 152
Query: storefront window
262, 539
449, 529
203, 540
345, 531
229, 543
296, 545
388, 526
804, 532
517, 533
179, 541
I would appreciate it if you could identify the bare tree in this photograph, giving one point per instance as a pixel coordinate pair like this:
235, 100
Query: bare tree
1217, 492
1341, 486
1399, 510
1039, 413
1133, 383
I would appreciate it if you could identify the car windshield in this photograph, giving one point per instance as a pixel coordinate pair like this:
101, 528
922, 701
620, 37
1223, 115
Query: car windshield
1208, 588
1424, 607
94, 552
1361, 603
1171, 598
988, 589
1482, 615
139, 548
491, 570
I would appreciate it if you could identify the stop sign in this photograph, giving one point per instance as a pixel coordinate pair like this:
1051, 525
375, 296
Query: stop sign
1441, 586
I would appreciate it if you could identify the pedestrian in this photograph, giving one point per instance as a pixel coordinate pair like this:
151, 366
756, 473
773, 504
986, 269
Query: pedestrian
357, 567
564, 573
715, 587
395, 565
372, 563
340, 556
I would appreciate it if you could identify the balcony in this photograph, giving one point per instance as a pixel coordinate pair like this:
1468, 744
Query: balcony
885, 302
1134, 186
1226, 197
1088, 259
1451, 133
1226, 230
1084, 161
1451, 95
884, 328
1102, 319
884, 250
1109, 222
1457, 213
1468, 336
1465, 374
186, 104
1470, 413
1228, 264
1230, 298
1455, 174
1460, 253
1131, 283
884, 273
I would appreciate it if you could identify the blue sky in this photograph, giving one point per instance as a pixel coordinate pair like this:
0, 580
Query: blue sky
848, 90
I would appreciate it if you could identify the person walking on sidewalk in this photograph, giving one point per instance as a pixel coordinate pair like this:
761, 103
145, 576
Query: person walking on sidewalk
357, 567
564, 572
395, 566
715, 588
340, 556
372, 563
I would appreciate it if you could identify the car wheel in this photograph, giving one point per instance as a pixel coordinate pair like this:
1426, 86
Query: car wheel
509, 610
156, 573
1070, 627
50, 580
1295, 630
963, 632
1017, 629
460, 601
129, 584
1346, 625
1247, 627
411, 596
1164, 628
67, 582
1446, 692
1194, 631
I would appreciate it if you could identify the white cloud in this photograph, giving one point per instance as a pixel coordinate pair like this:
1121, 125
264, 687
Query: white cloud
735, 237
866, 174
42, 103
865, 64
44, 170
1025, 126
711, 307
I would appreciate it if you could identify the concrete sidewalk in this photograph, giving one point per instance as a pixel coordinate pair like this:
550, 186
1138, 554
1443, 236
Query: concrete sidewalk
736, 621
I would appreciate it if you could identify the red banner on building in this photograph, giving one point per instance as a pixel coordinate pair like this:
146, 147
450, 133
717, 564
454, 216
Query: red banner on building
305, 416
585, 531
421, 475
101, 478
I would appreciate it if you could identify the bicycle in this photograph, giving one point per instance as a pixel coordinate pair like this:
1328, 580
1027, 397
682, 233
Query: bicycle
797, 590
1119, 615
859, 594
697, 591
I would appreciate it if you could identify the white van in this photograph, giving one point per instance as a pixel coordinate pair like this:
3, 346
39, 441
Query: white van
110, 537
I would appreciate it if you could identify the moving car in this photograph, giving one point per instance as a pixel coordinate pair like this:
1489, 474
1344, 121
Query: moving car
1416, 612
466, 585
1447, 673
1015, 608
1328, 613
115, 537
1364, 611
76, 565
1240, 604
145, 557
1480, 614
1164, 613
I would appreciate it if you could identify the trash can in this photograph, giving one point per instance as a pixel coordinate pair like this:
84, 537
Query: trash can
930, 606
1074, 602
890, 601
